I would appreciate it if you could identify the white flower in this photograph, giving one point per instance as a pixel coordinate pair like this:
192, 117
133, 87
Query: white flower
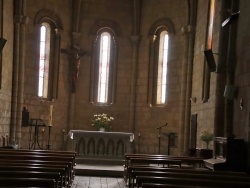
101, 120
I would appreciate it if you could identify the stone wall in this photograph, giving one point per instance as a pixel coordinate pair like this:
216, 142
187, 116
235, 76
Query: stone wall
203, 109
75, 111
6, 74
242, 75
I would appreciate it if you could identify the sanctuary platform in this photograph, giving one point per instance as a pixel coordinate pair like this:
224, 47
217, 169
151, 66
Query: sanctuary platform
99, 170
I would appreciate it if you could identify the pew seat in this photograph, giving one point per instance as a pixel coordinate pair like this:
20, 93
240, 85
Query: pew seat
186, 175
56, 176
190, 182
26, 182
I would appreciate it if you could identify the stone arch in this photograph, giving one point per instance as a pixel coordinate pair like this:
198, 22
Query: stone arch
91, 146
110, 147
102, 24
160, 24
115, 31
48, 16
100, 147
120, 149
81, 146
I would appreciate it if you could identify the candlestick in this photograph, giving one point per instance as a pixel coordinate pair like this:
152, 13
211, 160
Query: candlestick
50, 114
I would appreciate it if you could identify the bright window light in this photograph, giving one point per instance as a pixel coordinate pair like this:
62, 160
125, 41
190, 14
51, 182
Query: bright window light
104, 62
44, 60
162, 68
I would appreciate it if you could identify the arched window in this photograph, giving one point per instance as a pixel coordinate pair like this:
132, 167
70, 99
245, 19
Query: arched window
48, 39
104, 67
44, 60
162, 68
160, 33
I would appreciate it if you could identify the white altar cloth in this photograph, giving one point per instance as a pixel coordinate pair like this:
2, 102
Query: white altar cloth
100, 133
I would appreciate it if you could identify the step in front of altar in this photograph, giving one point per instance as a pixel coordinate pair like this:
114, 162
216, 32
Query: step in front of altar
100, 160
97, 168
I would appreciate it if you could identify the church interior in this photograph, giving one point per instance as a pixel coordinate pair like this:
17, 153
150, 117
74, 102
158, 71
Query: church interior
171, 77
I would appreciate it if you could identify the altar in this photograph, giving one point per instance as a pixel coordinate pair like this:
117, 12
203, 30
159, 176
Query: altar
101, 144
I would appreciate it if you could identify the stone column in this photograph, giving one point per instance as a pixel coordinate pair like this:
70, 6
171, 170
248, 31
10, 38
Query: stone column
186, 88
18, 73
231, 64
191, 37
135, 41
20, 79
183, 90
221, 107
135, 44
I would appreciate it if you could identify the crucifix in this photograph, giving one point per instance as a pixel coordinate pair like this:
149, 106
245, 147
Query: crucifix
76, 54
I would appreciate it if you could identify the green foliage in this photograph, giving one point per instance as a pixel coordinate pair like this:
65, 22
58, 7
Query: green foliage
206, 137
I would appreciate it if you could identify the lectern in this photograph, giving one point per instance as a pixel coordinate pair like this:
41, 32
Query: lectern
36, 123
171, 140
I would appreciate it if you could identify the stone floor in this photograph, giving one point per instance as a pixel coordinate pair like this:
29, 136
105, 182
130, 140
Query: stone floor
98, 182
92, 181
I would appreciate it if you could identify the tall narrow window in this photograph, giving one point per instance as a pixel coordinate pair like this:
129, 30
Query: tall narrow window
48, 28
104, 63
209, 40
45, 32
162, 68
160, 36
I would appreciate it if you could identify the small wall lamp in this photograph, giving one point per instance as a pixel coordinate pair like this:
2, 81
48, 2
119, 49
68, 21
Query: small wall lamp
241, 103
2, 43
230, 19
229, 92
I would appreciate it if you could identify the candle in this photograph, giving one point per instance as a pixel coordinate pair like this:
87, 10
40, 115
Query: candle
50, 114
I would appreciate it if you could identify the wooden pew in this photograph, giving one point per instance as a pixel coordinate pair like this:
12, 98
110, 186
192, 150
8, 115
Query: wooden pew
17, 169
221, 177
56, 176
41, 158
190, 171
26, 182
43, 153
190, 182
46, 159
157, 161
157, 185
128, 156
70, 154
39, 163
63, 176
194, 161
184, 159
33, 163
40, 152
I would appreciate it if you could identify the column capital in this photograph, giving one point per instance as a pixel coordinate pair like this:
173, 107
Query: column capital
21, 19
188, 29
152, 38
58, 32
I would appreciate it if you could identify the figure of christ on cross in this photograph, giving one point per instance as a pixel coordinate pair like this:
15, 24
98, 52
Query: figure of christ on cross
76, 56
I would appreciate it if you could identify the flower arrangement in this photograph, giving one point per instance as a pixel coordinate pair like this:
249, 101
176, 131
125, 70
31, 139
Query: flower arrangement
102, 121
207, 137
